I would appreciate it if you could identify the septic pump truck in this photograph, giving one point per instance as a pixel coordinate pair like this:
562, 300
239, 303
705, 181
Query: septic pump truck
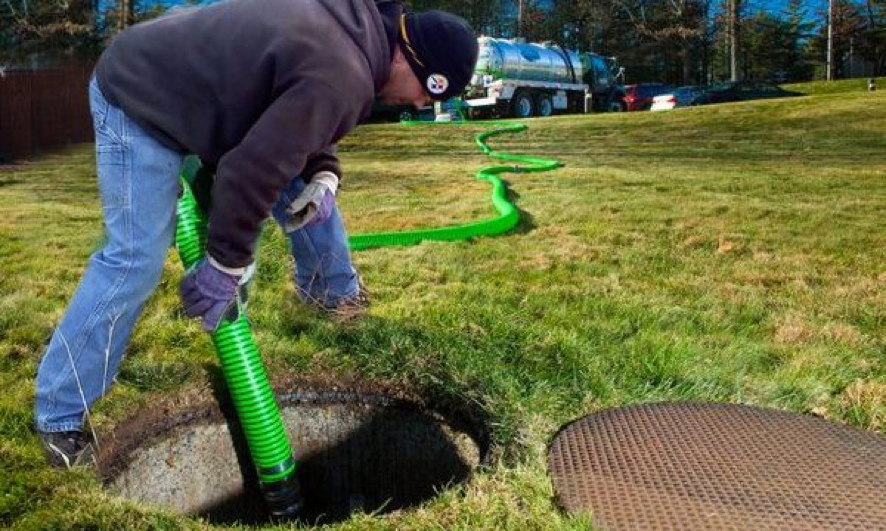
518, 79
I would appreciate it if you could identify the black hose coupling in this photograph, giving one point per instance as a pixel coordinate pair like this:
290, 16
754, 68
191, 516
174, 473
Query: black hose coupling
283, 498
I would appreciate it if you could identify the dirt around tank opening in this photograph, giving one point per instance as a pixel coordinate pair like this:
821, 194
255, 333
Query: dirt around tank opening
357, 451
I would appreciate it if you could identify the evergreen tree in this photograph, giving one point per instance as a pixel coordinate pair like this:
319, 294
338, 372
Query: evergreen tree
488, 17
44, 30
873, 35
798, 30
848, 30
770, 49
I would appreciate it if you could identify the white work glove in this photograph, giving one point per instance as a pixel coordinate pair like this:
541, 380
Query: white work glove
314, 204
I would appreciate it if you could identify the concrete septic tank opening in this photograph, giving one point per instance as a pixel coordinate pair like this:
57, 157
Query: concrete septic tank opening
355, 452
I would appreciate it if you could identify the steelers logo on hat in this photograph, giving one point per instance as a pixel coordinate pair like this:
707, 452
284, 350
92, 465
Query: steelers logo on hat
437, 84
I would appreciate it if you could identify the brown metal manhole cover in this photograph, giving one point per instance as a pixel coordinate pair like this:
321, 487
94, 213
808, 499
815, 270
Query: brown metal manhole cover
719, 466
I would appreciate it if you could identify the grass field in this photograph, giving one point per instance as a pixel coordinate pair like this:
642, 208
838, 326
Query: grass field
732, 253
834, 87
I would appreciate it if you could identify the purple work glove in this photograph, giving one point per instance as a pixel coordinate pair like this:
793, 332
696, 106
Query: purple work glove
314, 204
324, 209
209, 293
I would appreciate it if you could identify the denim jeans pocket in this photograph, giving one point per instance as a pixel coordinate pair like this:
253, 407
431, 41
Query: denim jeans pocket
106, 119
98, 105
107, 135
113, 178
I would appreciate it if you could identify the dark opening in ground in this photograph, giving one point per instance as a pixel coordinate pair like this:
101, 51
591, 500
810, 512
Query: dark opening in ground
355, 452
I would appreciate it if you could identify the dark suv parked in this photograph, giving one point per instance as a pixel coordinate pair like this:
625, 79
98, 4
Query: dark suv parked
399, 113
639, 97
741, 91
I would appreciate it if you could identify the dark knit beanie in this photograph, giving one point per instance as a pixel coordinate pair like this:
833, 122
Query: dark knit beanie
442, 50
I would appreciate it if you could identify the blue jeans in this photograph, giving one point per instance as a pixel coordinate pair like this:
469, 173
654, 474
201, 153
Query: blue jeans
138, 181
324, 274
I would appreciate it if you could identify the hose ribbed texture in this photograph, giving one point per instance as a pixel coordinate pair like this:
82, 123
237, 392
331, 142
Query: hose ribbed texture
240, 361
508, 215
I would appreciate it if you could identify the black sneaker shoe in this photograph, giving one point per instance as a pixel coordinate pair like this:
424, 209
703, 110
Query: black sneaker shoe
68, 449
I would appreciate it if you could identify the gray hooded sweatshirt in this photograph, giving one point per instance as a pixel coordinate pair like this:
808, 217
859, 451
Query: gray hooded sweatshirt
260, 89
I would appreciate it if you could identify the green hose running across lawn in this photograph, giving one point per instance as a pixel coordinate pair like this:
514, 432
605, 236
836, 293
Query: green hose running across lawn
241, 364
508, 215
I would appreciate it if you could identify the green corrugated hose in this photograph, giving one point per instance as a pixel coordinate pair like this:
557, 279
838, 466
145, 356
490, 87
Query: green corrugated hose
508, 215
245, 376
241, 364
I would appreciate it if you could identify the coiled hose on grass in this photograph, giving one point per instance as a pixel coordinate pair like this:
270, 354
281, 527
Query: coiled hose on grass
241, 364
508, 215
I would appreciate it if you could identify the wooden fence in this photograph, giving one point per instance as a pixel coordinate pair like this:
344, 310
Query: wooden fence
43, 109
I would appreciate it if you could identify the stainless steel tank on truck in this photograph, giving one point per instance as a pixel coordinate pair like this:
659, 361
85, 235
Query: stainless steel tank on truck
523, 79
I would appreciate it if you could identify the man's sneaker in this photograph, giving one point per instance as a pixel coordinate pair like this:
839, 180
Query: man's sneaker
346, 310
68, 449
350, 309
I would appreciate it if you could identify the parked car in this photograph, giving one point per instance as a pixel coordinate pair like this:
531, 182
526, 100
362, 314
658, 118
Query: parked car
399, 113
742, 91
681, 97
638, 97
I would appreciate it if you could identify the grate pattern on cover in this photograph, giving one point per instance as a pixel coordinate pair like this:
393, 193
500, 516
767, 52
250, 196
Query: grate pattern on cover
694, 466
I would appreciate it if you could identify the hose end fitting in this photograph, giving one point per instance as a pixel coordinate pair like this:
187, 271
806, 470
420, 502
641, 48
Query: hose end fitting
283, 497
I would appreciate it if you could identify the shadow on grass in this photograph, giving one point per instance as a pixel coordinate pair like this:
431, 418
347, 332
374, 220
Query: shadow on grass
527, 220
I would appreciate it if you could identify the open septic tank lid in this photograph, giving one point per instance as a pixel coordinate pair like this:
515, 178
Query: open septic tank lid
695, 466
360, 449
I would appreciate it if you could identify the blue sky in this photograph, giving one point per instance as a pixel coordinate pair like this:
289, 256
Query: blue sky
770, 5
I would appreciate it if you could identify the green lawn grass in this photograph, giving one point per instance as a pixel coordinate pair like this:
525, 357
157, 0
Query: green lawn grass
727, 253
858, 84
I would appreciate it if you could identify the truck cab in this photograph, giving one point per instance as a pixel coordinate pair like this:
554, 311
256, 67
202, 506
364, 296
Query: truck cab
604, 78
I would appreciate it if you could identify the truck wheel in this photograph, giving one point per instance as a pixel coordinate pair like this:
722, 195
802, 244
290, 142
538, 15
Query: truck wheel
544, 105
617, 106
521, 105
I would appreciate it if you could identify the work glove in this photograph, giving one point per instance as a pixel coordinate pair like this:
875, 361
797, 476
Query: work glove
314, 204
209, 291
